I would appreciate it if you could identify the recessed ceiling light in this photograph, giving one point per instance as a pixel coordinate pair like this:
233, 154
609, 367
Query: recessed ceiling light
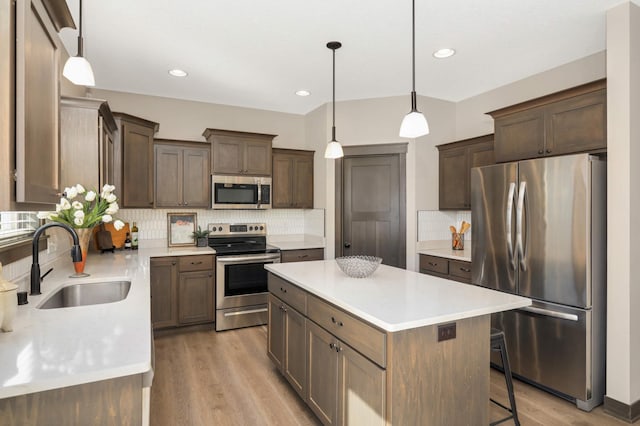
303, 93
178, 73
444, 53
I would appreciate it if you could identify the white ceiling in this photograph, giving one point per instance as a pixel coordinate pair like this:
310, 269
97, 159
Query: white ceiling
257, 53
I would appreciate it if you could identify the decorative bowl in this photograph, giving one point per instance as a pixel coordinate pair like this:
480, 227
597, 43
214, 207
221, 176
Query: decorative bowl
358, 266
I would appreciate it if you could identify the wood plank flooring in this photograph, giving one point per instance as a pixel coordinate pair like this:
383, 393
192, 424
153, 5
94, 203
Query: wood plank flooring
208, 378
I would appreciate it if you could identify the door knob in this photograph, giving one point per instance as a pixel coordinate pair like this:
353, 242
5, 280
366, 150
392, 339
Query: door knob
347, 245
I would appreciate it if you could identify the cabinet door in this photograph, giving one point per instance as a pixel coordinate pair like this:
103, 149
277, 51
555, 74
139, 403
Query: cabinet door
577, 124
168, 182
137, 165
195, 297
301, 255
108, 152
275, 331
228, 156
282, 189
453, 179
37, 114
195, 181
295, 350
164, 292
303, 182
520, 135
361, 389
322, 374
257, 158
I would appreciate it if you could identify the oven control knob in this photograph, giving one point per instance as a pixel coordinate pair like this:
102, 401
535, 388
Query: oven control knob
251, 228
220, 228
262, 228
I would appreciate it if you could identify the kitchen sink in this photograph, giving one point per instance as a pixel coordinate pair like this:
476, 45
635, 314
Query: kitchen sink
83, 294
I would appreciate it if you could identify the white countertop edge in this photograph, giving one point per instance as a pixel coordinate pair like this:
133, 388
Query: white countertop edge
296, 242
448, 253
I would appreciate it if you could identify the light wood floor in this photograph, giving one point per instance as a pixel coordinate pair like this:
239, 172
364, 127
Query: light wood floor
209, 378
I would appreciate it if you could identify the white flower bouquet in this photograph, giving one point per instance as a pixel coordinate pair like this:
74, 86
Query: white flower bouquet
80, 208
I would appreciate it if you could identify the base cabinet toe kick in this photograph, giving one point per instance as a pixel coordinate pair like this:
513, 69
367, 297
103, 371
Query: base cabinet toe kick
349, 371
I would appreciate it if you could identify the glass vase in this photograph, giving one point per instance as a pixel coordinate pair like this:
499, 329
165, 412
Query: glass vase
84, 236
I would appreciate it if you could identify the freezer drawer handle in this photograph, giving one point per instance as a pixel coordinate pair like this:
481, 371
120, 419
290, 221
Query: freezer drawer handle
550, 313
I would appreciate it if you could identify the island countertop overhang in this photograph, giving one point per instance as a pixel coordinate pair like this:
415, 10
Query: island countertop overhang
395, 299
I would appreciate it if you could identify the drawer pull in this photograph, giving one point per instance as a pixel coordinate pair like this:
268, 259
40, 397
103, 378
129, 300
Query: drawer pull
433, 264
197, 263
284, 290
465, 269
302, 256
340, 323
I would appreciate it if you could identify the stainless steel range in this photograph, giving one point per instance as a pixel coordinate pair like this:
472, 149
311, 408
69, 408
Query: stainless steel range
241, 280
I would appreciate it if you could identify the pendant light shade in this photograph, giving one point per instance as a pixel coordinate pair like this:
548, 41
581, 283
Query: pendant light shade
414, 124
334, 149
77, 69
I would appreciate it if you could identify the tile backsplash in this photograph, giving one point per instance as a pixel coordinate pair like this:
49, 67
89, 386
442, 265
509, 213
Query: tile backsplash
434, 224
152, 223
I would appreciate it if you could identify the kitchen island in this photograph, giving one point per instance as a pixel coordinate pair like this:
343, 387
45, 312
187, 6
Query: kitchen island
398, 347
84, 364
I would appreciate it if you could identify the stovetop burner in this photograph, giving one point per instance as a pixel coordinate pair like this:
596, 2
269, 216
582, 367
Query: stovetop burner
243, 238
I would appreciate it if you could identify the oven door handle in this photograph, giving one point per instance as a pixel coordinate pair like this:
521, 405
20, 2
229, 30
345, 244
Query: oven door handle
248, 258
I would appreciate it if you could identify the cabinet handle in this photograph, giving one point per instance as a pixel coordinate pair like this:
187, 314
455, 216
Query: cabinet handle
331, 345
338, 348
340, 323
302, 256
197, 263
186, 204
433, 264
548, 151
540, 152
173, 263
465, 270
284, 290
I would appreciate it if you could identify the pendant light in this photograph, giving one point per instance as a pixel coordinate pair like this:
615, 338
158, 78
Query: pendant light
334, 149
414, 124
77, 69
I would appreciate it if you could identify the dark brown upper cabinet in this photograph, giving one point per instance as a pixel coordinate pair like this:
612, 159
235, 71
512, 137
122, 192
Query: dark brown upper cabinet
292, 179
134, 158
456, 161
570, 121
182, 174
240, 153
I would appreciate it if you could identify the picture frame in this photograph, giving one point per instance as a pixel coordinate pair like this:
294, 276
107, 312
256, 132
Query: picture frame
180, 228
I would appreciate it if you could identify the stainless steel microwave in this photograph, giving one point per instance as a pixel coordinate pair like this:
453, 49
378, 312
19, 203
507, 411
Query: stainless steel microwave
240, 192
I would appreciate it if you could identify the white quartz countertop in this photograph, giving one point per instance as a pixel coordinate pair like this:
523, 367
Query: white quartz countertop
449, 253
54, 348
396, 299
296, 242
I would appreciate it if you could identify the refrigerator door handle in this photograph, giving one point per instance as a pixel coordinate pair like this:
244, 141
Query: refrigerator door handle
519, 225
509, 216
550, 313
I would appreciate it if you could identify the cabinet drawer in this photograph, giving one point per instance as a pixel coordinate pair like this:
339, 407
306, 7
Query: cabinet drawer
434, 264
289, 293
460, 269
196, 263
361, 336
301, 255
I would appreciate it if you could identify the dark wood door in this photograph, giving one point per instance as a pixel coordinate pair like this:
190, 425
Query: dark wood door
275, 331
303, 181
520, 136
282, 189
577, 124
164, 292
228, 156
454, 179
195, 297
323, 374
168, 184
137, 166
295, 350
371, 191
195, 177
257, 157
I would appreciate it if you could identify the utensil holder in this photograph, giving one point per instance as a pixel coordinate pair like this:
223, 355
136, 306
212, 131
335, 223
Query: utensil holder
457, 241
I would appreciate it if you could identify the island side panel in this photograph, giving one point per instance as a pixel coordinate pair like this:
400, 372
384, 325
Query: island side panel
438, 383
116, 401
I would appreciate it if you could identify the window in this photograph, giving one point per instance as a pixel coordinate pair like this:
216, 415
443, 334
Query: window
16, 226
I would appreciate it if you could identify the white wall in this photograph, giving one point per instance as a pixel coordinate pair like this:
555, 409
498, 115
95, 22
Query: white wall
180, 119
623, 133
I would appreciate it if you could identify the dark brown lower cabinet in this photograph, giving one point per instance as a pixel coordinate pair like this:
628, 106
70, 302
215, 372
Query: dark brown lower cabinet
302, 255
182, 290
457, 270
286, 334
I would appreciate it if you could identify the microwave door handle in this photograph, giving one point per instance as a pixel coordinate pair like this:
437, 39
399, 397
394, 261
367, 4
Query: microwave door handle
519, 225
259, 195
509, 218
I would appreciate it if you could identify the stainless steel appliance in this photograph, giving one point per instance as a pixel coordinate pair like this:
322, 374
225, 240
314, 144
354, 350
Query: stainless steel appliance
241, 280
539, 230
240, 192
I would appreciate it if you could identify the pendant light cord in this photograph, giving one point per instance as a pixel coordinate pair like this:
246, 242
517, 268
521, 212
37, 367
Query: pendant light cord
413, 44
80, 43
333, 127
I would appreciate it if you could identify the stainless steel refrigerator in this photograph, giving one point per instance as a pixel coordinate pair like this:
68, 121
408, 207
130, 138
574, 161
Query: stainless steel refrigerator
539, 231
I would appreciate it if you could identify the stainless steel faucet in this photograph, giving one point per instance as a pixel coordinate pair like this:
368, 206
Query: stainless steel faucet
76, 252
